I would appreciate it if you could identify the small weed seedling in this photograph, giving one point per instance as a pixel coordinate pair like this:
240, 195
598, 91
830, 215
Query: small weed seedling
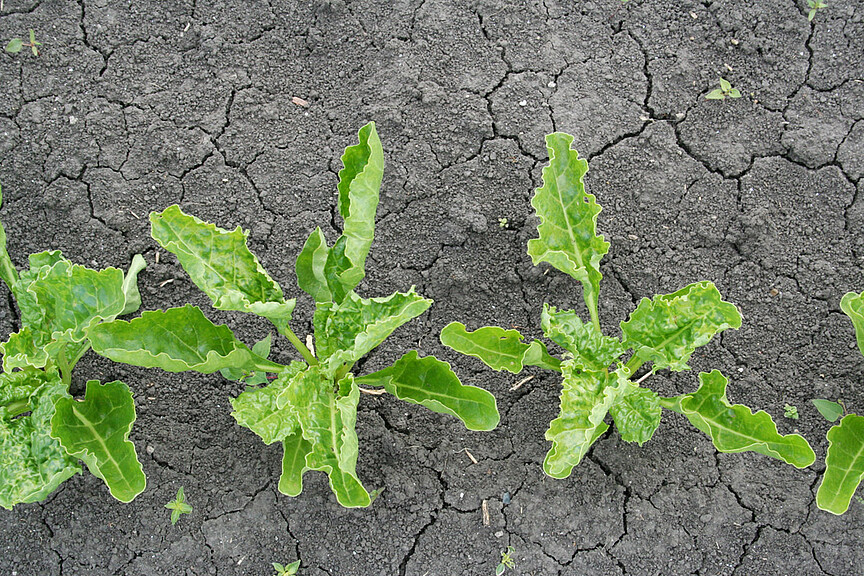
814, 6
44, 432
16, 44
502, 222
725, 91
311, 405
286, 570
844, 464
790, 412
506, 561
178, 506
664, 331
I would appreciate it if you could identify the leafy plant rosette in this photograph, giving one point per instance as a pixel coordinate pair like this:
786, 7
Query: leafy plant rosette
44, 432
844, 463
664, 330
311, 405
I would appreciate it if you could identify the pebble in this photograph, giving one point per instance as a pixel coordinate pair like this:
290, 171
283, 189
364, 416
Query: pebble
505, 498
523, 103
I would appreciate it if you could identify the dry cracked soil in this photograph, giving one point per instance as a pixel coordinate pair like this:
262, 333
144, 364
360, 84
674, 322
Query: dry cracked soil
135, 105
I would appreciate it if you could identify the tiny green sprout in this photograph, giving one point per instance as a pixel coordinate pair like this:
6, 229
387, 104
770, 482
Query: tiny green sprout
502, 222
16, 44
506, 561
790, 412
725, 91
288, 570
814, 6
179, 506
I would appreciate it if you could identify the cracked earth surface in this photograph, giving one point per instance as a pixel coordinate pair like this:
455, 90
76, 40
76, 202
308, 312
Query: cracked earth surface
133, 106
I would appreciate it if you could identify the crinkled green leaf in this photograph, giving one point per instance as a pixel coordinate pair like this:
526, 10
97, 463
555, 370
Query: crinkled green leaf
294, 451
175, 340
636, 413
591, 350
258, 408
97, 431
32, 463
327, 423
359, 185
431, 383
669, 328
310, 267
68, 300
852, 304
586, 398
130, 285
498, 348
8, 272
221, 265
568, 230
345, 332
735, 428
844, 465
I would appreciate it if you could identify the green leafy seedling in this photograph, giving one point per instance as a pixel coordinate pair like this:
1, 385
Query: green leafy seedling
311, 405
725, 91
286, 570
844, 463
179, 506
664, 331
16, 44
814, 6
502, 222
790, 412
44, 432
506, 561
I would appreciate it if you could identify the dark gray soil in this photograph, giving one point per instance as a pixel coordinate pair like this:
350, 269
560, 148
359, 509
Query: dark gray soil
135, 105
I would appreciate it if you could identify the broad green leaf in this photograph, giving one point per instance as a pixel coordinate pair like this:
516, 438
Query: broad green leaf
586, 398
725, 85
568, 229
14, 46
591, 350
130, 285
221, 265
735, 428
829, 410
295, 449
844, 465
327, 423
359, 185
636, 413
734, 93
345, 332
175, 340
538, 355
853, 305
669, 328
17, 387
70, 299
258, 408
716, 94
97, 431
431, 383
8, 272
310, 267
498, 348
32, 464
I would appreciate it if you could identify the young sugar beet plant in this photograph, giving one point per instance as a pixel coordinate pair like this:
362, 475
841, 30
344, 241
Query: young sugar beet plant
844, 464
44, 432
311, 405
664, 331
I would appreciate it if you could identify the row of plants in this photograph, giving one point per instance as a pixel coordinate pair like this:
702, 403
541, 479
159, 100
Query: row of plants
310, 404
